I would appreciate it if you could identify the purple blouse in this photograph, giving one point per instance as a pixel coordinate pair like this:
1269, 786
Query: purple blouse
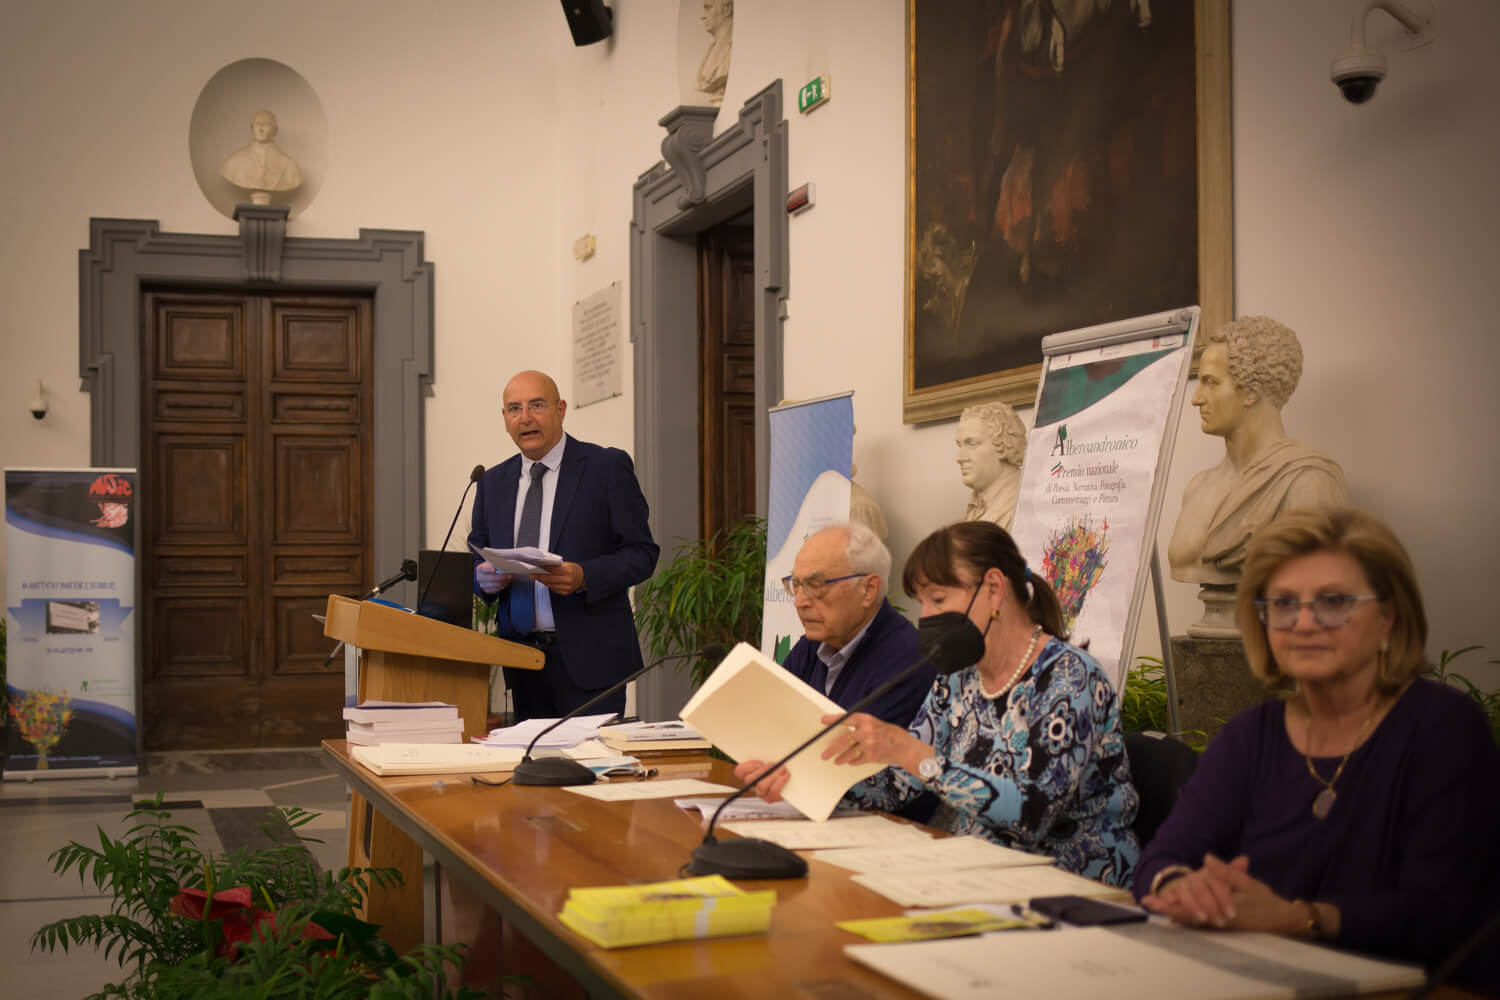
1410, 851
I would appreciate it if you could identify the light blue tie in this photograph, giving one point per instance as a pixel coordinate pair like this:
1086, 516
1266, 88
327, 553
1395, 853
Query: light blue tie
523, 591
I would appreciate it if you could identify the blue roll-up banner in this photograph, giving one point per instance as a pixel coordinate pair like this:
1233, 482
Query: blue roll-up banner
70, 544
812, 458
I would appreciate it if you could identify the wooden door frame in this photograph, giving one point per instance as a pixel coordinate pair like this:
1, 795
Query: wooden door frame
125, 255
711, 180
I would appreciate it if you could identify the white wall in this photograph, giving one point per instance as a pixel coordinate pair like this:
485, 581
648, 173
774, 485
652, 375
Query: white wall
1366, 229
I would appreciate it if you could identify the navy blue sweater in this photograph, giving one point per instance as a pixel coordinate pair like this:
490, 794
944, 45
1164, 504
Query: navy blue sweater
889, 647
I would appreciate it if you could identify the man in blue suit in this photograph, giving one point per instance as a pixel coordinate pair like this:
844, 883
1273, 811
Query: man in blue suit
583, 503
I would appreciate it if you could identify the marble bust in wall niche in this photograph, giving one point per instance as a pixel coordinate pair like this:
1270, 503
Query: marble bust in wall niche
713, 72
1246, 374
991, 446
262, 167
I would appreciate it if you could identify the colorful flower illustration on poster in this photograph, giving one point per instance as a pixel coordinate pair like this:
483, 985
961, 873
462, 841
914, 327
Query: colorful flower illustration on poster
42, 719
1073, 561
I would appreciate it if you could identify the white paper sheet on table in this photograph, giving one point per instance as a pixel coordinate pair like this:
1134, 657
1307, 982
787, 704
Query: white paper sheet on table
945, 854
807, 835
1143, 960
620, 791
570, 733
752, 708
980, 885
752, 807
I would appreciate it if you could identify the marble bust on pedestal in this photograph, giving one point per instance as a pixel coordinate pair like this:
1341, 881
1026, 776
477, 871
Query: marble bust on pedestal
991, 445
262, 167
1246, 374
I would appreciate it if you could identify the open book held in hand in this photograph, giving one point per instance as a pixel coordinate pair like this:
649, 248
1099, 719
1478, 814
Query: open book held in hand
527, 561
753, 709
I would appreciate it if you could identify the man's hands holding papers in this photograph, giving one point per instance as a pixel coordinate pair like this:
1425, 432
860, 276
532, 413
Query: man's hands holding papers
1224, 894
863, 739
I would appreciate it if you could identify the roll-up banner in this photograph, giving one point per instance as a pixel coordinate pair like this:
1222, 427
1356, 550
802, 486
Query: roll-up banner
812, 459
70, 543
1096, 469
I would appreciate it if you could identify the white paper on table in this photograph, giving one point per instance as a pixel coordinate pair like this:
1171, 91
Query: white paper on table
621, 791
806, 834
752, 807
570, 733
946, 854
1159, 960
980, 885
526, 561
752, 708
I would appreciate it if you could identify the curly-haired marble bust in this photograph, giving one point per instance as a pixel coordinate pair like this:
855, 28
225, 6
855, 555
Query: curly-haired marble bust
1247, 373
991, 445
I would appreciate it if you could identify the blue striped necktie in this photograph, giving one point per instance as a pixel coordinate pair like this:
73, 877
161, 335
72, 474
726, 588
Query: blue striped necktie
522, 590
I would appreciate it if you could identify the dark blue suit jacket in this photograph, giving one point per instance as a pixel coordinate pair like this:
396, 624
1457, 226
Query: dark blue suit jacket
599, 521
889, 647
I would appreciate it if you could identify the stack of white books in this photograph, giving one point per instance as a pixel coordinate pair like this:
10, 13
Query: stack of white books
372, 723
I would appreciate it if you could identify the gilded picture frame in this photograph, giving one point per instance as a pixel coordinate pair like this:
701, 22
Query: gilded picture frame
1052, 183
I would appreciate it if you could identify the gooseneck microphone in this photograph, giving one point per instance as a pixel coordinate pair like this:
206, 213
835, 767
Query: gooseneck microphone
475, 474
408, 572
753, 858
566, 771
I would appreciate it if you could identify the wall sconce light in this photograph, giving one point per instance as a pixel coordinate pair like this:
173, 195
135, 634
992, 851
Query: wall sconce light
38, 404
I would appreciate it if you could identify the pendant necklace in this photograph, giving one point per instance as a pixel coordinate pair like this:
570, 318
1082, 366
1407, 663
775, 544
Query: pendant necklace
1323, 804
1036, 633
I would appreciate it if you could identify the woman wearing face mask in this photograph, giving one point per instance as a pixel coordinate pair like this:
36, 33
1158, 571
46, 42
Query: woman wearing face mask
1024, 747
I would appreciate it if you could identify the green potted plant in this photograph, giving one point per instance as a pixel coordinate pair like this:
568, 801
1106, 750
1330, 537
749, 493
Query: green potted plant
252, 923
710, 592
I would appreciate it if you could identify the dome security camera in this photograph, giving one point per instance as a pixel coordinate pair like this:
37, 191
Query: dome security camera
1359, 69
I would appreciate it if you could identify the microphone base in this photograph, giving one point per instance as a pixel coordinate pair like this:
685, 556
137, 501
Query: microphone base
551, 771
746, 858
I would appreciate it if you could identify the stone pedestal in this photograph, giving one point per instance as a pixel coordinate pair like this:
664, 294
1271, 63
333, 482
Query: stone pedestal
1214, 682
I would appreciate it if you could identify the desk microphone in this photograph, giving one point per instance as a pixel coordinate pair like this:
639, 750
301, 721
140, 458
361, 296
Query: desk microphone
753, 858
475, 474
564, 770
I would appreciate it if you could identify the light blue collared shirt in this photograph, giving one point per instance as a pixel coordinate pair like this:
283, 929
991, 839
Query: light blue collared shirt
553, 462
836, 659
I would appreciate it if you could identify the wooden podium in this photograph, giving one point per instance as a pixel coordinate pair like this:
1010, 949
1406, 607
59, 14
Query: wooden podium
411, 658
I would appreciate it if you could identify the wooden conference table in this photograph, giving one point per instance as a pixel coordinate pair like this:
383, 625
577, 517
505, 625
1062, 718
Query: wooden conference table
521, 848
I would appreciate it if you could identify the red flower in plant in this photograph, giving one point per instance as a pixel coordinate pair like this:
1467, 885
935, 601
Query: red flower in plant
241, 919
189, 902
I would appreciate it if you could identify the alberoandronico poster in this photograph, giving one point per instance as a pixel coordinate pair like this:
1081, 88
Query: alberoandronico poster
70, 642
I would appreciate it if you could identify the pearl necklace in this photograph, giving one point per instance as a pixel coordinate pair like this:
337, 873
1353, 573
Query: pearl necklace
1036, 633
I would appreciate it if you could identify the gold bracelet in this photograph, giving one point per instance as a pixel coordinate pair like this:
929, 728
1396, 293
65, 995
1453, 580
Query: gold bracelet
1314, 926
1166, 875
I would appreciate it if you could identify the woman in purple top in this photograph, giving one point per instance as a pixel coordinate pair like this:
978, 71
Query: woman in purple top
1359, 810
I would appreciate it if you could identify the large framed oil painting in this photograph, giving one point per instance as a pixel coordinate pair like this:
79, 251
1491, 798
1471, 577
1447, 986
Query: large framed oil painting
1068, 165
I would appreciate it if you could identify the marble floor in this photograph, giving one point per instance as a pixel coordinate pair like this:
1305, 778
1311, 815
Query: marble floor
226, 797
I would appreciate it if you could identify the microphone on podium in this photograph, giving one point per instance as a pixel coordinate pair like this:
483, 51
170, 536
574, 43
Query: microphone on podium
475, 474
565, 771
408, 572
753, 858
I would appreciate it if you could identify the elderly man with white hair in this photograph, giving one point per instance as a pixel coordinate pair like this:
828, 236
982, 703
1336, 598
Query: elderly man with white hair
853, 640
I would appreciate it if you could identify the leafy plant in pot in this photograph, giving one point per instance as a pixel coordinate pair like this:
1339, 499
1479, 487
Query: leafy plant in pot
261, 923
709, 593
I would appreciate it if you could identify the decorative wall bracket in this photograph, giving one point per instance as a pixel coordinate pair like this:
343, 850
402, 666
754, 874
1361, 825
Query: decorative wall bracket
263, 232
689, 129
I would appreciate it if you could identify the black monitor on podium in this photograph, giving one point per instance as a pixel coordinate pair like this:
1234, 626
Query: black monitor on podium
450, 598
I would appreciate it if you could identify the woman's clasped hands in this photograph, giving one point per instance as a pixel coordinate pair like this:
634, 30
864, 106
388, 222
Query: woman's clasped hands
1224, 894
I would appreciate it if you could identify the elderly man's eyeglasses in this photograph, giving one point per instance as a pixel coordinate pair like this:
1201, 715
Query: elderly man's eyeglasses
816, 585
533, 406
1328, 610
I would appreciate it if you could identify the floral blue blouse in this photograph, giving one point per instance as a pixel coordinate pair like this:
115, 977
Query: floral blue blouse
1042, 768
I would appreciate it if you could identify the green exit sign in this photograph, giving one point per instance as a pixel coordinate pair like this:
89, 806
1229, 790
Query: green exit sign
814, 94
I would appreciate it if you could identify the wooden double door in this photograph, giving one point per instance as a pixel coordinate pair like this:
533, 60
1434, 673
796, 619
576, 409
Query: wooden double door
255, 467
